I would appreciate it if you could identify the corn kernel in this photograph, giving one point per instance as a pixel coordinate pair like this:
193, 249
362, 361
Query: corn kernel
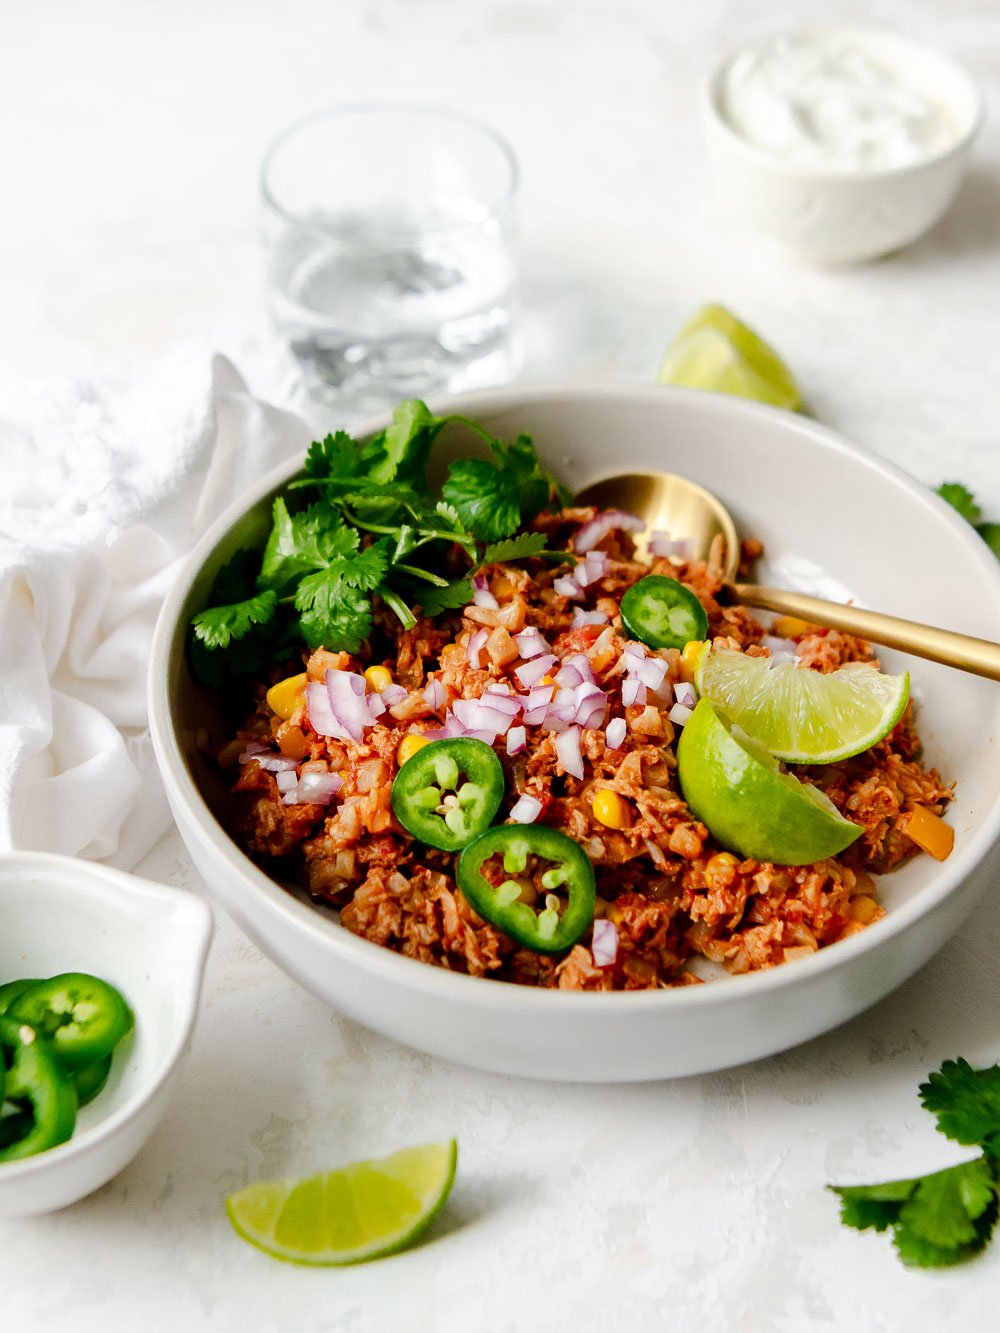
409, 746
689, 659
286, 696
611, 810
547, 680
862, 909
791, 627
378, 677
720, 870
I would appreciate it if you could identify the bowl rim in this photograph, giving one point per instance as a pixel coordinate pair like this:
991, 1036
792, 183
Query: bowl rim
709, 97
531, 1000
97, 883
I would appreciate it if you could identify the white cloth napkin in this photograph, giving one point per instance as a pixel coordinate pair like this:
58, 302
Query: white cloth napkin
103, 490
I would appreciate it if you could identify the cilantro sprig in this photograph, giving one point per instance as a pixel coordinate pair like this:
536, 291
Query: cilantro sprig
944, 1218
363, 522
964, 502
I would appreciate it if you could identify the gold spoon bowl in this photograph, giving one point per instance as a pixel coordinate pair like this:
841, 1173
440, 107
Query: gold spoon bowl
670, 503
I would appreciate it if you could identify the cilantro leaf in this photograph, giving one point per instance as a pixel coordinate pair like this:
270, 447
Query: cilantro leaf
872, 1207
367, 569
990, 533
332, 612
406, 442
457, 594
220, 625
485, 499
338, 455
966, 1103
961, 499
944, 1206
301, 543
515, 548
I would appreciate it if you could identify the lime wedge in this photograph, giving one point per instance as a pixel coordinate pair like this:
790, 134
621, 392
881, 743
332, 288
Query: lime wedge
714, 350
799, 715
736, 789
363, 1211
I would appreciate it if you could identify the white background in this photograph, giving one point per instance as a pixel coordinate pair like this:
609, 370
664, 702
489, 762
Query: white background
130, 139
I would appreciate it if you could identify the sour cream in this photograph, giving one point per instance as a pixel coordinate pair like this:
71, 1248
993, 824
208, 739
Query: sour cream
836, 101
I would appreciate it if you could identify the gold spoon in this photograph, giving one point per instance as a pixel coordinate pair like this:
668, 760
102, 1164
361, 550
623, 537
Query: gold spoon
688, 512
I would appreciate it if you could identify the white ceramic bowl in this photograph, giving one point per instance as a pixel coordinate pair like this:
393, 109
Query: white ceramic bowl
833, 217
835, 520
58, 914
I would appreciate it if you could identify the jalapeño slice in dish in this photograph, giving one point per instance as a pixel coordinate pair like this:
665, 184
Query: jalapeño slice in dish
10, 990
91, 1079
531, 882
448, 792
35, 1077
662, 613
83, 1017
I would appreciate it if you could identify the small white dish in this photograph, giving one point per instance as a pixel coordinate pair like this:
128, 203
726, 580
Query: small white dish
832, 216
58, 914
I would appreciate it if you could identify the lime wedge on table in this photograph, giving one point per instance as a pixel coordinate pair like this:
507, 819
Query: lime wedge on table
363, 1211
736, 789
803, 716
714, 350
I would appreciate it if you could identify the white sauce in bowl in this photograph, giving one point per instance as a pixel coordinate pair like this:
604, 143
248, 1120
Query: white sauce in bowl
836, 101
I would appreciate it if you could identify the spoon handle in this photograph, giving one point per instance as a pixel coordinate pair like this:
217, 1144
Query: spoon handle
979, 656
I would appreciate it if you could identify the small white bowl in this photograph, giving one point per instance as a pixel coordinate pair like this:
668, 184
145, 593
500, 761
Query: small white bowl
58, 914
835, 216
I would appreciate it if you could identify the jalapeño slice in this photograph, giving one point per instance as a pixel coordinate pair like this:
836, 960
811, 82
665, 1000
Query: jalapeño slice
38, 1080
662, 613
82, 1017
10, 990
448, 792
509, 868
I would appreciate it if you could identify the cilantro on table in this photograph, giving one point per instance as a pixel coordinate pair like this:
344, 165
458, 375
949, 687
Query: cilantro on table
963, 501
948, 1216
363, 521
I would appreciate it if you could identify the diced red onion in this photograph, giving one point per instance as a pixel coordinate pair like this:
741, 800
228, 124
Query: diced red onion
582, 617
776, 645
474, 648
530, 673
684, 694
393, 695
254, 748
615, 733
601, 644
477, 715
502, 702
376, 705
601, 524
286, 779
314, 788
661, 543
591, 705
435, 694
275, 763
551, 722
531, 642
633, 691
568, 676
517, 739
650, 670
346, 690
526, 810
568, 752
581, 662
320, 713
781, 659
595, 565
604, 945
481, 594
566, 586
536, 704
680, 714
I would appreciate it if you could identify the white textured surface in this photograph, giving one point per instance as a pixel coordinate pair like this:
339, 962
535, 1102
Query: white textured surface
132, 135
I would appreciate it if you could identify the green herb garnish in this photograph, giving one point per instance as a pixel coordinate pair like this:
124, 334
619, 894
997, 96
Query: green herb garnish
941, 1219
369, 525
963, 501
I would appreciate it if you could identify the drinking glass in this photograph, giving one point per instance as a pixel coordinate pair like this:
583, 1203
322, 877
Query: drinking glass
389, 238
